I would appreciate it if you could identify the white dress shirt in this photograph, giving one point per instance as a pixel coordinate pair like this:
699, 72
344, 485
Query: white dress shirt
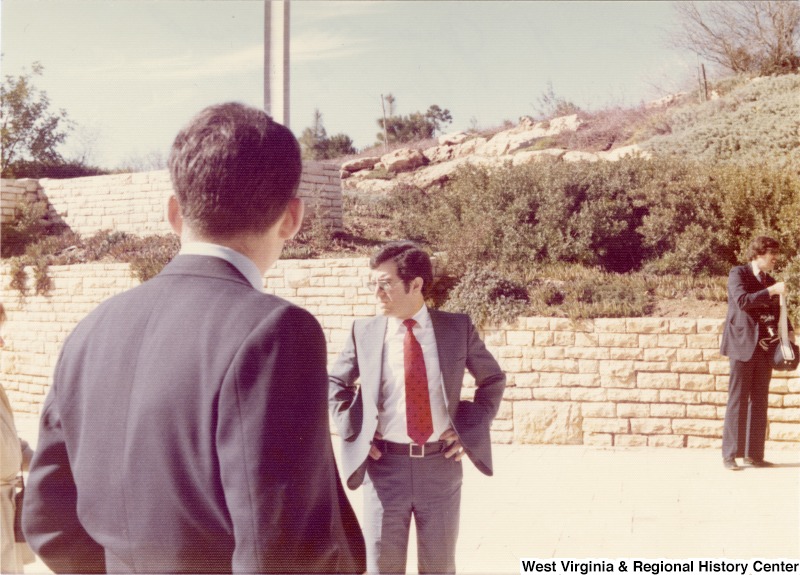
241, 262
392, 397
756, 270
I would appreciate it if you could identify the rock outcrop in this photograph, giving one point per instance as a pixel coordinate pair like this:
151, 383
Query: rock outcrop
435, 165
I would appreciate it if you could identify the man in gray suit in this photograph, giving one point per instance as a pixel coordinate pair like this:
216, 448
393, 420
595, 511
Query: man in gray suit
405, 428
186, 429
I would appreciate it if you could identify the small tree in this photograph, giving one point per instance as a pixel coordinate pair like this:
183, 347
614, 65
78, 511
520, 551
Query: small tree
30, 132
317, 145
415, 126
438, 118
744, 36
313, 137
339, 145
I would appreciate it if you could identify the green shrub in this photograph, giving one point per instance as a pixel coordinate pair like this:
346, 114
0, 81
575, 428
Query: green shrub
578, 292
488, 297
42, 281
151, 255
752, 124
27, 227
543, 212
663, 216
147, 255
607, 128
758, 200
380, 173
790, 273
19, 278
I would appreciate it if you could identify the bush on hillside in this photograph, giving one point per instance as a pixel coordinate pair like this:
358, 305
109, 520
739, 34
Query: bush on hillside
753, 124
56, 170
790, 273
661, 215
549, 212
579, 292
611, 128
488, 297
29, 226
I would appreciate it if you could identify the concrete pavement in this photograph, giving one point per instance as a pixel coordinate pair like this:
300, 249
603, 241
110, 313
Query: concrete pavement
589, 502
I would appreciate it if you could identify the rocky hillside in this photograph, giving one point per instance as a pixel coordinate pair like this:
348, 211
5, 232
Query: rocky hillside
743, 120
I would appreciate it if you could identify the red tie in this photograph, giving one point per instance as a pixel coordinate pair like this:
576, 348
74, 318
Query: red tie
418, 403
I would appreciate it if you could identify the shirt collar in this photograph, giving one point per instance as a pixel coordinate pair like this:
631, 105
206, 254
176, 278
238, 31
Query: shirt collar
755, 268
241, 262
422, 317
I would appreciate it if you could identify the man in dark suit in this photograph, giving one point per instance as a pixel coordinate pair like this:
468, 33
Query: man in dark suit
186, 429
405, 428
750, 325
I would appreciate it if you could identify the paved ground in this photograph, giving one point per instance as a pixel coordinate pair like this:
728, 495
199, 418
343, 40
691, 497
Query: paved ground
580, 502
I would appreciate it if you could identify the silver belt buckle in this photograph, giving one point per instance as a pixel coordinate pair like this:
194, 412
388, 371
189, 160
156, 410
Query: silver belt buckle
420, 450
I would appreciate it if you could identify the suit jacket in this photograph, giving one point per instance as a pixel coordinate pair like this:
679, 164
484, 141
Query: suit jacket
748, 299
186, 430
355, 408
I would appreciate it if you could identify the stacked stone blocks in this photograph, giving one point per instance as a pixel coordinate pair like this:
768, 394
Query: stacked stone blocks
136, 203
606, 382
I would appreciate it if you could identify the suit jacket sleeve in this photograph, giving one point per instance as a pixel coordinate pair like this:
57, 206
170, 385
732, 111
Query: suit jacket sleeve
740, 297
473, 419
489, 377
342, 391
50, 514
279, 476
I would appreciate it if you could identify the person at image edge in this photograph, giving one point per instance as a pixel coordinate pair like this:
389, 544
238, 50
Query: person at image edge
186, 429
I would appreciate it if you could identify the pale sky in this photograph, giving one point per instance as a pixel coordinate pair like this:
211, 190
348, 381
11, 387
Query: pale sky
132, 73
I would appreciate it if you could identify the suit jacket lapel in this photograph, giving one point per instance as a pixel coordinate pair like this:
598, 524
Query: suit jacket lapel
371, 366
447, 343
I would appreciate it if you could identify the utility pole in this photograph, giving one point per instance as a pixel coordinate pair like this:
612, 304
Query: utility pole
276, 60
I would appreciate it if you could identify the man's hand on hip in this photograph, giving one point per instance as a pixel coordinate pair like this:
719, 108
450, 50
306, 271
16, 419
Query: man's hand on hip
374, 452
454, 447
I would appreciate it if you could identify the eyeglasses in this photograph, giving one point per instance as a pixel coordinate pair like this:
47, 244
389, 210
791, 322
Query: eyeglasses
383, 285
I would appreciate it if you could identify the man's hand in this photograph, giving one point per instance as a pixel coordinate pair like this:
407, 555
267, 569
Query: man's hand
454, 447
776, 289
374, 452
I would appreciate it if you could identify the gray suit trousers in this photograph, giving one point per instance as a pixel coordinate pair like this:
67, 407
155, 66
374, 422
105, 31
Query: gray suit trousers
397, 486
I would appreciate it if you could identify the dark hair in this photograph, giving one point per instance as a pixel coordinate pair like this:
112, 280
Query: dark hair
411, 260
234, 170
2, 313
761, 245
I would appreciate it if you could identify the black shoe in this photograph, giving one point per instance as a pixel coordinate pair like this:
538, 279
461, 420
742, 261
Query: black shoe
758, 462
730, 464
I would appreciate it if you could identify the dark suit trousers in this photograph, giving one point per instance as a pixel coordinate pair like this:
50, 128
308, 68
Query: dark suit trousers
398, 486
745, 428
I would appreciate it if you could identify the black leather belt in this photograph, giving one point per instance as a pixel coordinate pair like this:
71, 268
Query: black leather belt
410, 449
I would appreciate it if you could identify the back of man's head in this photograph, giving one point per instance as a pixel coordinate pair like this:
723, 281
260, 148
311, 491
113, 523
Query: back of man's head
233, 170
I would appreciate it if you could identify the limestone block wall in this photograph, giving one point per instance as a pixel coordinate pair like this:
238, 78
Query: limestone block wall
16, 193
607, 382
136, 202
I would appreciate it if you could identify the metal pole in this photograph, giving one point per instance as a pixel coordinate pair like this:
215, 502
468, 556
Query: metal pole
276, 60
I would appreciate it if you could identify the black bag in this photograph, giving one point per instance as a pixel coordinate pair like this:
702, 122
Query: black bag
19, 536
785, 354
780, 361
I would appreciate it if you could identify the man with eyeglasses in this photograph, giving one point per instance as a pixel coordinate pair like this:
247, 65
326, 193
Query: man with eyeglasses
405, 428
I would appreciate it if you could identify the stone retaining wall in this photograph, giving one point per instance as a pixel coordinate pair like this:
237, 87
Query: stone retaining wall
604, 382
136, 203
